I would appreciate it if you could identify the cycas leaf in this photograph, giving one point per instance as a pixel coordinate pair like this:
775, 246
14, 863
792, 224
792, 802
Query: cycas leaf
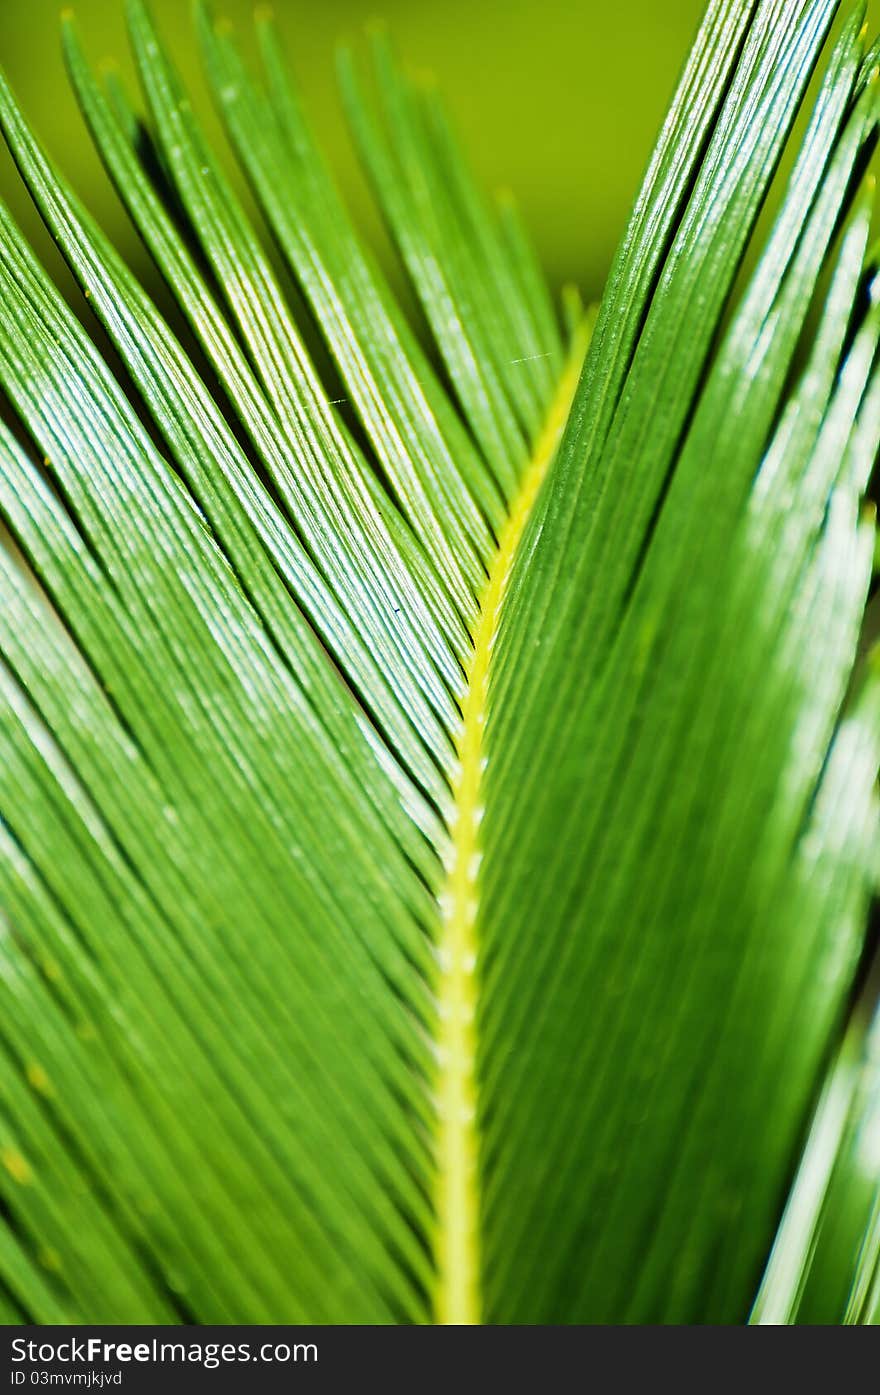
435, 856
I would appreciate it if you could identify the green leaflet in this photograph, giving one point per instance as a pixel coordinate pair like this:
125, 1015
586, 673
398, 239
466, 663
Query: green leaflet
427, 894
824, 1266
443, 485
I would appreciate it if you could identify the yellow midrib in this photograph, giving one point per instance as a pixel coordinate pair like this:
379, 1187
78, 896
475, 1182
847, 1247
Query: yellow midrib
457, 1249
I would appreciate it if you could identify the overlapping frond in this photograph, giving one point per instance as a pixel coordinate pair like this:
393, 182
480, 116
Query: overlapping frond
435, 851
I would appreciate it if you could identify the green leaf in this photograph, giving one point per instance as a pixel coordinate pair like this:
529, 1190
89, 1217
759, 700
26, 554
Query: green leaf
436, 852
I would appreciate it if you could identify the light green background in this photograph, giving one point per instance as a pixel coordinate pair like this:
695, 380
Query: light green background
559, 100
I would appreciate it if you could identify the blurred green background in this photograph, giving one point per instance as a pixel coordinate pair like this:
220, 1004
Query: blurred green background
558, 100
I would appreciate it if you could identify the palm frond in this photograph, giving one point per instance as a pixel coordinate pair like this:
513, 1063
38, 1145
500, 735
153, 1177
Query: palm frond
437, 843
